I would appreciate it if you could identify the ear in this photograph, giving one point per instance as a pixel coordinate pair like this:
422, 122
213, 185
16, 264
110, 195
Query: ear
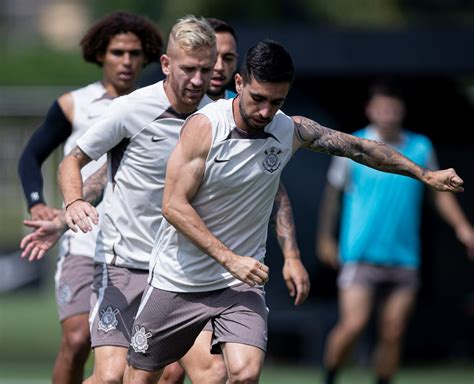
165, 64
239, 83
100, 58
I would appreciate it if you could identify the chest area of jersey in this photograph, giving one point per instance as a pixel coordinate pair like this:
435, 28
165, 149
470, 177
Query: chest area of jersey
154, 143
240, 161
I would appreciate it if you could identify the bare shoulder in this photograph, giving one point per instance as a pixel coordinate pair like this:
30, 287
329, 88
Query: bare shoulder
66, 102
196, 135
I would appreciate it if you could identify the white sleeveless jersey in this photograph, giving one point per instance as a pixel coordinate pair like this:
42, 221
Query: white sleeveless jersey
235, 200
90, 102
138, 132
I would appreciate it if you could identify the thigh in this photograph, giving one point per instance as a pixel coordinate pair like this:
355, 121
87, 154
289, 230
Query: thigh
396, 308
241, 317
356, 294
73, 283
243, 359
166, 326
115, 300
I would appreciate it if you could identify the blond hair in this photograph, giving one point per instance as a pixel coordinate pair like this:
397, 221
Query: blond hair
191, 32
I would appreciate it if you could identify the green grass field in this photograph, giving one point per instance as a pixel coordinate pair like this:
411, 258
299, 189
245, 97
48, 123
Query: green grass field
29, 336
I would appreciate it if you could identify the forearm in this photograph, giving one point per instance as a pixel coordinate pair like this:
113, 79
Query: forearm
284, 225
69, 175
94, 185
450, 210
185, 219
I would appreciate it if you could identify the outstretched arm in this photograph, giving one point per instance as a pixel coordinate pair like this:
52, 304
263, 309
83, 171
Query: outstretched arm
294, 273
47, 233
311, 135
184, 174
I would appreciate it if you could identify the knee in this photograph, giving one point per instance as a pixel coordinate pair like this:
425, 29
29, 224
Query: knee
109, 376
351, 328
392, 333
217, 370
77, 342
173, 374
245, 374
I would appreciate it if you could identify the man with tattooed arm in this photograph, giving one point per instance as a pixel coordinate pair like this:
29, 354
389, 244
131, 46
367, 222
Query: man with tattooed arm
221, 181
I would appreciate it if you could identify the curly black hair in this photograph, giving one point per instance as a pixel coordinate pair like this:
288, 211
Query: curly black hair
97, 38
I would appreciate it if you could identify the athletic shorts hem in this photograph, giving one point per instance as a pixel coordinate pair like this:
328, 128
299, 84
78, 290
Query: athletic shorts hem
110, 344
74, 314
148, 368
250, 342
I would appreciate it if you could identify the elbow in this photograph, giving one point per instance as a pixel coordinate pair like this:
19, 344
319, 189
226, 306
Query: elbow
169, 211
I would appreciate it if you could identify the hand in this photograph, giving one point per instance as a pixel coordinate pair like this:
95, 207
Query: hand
296, 279
81, 214
247, 269
328, 251
465, 235
445, 180
43, 212
37, 243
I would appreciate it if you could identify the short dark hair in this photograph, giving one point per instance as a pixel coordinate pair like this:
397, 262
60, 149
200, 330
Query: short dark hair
386, 87
268, 61
219, 25
97, 38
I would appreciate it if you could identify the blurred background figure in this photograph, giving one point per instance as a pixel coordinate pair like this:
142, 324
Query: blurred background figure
379, 245
121, 44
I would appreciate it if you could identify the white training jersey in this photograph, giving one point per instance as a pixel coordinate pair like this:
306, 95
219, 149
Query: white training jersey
138, 134
235, 200
90, 102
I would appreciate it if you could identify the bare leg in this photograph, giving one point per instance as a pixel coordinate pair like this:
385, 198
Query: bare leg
355, 304
172, 374
109, 364
244, 362
137, 376
74, 350
394, 315
201, 366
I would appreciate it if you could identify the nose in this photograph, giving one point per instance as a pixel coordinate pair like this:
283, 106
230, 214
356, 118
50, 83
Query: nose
265, 112
126, 59
219, 66
197, 80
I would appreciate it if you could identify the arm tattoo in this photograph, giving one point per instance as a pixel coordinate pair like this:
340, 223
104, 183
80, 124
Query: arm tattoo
368, 152
284, 224
94, 186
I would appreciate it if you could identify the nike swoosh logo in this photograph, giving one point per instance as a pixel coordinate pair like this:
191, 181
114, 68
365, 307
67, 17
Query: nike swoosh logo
156, 138
90, 117
221, 160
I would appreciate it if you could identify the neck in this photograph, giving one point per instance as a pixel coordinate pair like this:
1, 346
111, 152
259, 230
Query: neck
114, 91
216, 97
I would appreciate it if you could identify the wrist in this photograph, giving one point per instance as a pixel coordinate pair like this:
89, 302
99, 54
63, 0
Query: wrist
72, 202
293, 255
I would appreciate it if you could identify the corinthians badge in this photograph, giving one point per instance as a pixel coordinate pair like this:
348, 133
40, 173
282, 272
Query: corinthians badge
64, 294
108, 319
140, 339
272, 162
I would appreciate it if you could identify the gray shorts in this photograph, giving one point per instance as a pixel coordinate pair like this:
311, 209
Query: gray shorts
378, 277
167, 323
73, 281
116, 296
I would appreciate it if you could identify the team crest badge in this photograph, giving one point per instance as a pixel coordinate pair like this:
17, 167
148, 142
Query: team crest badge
108, 319
140, 339
65, 294
272, 162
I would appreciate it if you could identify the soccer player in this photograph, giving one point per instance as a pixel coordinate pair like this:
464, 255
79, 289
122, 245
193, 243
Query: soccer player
121, 44
221, 182
294, 273
138, 133
379, 249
